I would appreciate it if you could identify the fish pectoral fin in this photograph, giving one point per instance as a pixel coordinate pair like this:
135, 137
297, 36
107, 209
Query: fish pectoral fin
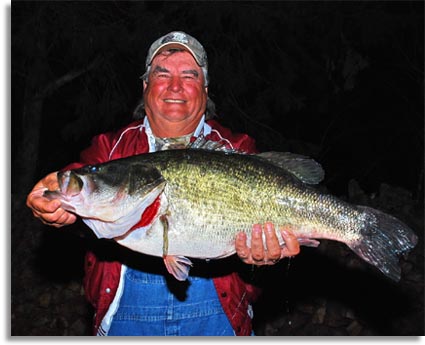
308, 242
178, 266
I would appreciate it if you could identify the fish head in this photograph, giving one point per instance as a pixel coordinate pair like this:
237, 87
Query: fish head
108, 191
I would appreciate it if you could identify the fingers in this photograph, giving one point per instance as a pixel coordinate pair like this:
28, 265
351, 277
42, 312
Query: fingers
266, 252
253, 254
39, 204
272, 243
57, 219
48, 211
257, 247
292, 246
243, 251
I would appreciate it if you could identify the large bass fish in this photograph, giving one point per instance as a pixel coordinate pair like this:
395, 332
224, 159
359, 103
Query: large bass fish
204, 198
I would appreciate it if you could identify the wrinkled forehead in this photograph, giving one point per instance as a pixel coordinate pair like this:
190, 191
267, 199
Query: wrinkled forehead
174, 56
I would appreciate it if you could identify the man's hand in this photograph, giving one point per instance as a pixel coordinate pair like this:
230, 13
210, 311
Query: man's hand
258, 254
49, 211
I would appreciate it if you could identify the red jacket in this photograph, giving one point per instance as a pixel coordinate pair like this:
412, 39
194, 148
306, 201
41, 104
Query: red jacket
102, 277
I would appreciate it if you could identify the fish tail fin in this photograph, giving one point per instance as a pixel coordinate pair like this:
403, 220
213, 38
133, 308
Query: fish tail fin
383, 239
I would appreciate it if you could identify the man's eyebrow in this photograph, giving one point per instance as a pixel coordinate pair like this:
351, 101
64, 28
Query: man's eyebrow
159, 69
191, 71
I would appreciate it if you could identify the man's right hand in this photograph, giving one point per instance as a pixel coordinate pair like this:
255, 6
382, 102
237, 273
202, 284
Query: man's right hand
48, 211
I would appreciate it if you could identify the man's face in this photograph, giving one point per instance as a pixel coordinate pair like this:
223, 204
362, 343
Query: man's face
175, 90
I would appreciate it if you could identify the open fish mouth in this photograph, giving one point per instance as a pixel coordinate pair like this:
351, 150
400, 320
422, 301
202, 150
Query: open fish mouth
70, 183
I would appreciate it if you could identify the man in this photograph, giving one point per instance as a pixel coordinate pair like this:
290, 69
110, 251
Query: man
138, 297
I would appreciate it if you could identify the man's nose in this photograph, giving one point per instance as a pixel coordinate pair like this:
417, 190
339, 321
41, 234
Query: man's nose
175, 84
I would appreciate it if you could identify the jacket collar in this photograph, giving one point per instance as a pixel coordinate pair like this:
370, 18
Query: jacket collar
203, 128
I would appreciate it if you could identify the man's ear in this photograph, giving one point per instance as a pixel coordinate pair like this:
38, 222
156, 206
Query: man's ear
145, 85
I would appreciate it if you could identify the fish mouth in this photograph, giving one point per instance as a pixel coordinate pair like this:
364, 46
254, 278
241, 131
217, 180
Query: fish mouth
70, 183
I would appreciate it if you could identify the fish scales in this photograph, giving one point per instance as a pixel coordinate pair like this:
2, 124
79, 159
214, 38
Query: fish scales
252, 193
207, 197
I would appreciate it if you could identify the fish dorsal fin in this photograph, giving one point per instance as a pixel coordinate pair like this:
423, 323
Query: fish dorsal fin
201, 143
304, 168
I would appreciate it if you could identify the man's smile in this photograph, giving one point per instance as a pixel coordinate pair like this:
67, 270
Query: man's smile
178, 101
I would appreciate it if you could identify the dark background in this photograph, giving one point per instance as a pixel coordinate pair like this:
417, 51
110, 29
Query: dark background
339, 81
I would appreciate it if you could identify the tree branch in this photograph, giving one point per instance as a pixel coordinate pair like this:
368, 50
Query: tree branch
66, 78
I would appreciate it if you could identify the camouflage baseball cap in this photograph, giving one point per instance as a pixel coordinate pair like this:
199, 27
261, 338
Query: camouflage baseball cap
180, 39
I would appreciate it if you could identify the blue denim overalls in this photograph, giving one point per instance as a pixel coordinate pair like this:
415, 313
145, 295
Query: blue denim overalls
150, 306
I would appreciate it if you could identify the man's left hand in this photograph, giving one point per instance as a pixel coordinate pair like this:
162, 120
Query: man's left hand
271, 253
